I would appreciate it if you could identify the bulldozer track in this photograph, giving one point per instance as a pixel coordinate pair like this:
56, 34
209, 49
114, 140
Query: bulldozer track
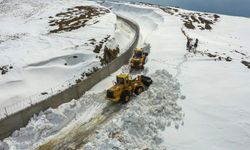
79, 135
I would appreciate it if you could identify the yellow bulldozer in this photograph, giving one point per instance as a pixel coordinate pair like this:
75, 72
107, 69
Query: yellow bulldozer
125, 87
139, 58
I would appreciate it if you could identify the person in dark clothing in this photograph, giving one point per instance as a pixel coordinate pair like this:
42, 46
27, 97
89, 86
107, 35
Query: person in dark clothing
195, 45
188, 45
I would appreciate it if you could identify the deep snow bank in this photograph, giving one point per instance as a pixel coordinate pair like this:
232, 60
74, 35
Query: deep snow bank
51, 121
149, 19
137, 126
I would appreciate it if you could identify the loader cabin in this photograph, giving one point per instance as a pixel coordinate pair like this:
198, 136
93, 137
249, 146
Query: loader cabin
122, 79
138, 53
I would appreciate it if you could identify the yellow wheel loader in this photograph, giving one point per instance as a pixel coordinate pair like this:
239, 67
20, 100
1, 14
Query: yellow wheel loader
139, 58
125, 87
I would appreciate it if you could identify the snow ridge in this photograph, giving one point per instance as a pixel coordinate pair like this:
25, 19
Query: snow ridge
150, 19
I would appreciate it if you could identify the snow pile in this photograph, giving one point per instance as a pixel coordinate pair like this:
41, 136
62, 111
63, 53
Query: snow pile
51, 121
138, 125
123, 33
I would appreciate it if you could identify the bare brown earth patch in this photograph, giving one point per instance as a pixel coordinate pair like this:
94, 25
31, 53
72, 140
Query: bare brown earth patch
87, 74
218, 57
90, 72
188, 24
109, 55
241, 53
191, 20
246, 63
192, 49
75, 18
99, 45
244, 57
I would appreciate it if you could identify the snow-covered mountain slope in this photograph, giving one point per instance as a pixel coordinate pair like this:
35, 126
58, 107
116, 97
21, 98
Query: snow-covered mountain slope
213, 78
45, 45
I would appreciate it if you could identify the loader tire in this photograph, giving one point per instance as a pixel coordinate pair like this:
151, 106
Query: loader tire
139, 90
125, 97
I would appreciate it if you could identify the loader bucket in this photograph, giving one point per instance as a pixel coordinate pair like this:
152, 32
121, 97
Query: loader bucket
147, 81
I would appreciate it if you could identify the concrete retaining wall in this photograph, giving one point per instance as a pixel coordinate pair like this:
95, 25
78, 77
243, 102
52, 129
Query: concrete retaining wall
20, 119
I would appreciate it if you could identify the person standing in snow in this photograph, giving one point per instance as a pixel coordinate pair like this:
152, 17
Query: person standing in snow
195, 45
188, 45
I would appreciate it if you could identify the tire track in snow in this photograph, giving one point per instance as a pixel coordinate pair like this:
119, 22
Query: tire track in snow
79, 135
178, 67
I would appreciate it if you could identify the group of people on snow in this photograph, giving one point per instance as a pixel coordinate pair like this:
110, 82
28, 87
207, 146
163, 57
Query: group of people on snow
190, 46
